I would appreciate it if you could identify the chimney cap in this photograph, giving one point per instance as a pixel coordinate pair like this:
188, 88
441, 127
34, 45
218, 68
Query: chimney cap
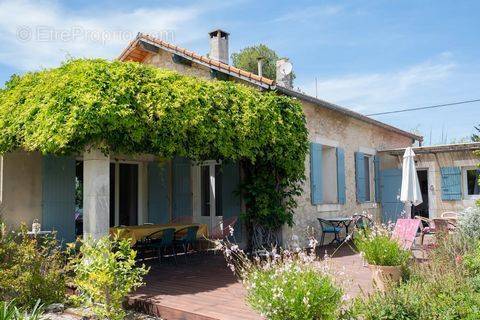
223, 34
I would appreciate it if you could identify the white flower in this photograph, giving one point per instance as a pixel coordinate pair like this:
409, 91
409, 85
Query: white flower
305, 300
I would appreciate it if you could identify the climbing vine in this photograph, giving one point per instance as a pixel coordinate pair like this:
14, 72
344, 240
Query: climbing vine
132, 108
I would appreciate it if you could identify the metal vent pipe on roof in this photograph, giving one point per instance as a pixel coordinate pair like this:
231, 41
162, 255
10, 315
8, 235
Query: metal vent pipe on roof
260, 67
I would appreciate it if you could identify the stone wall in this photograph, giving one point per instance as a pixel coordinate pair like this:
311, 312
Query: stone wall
21, 188
164, 60
327, 127
335, 129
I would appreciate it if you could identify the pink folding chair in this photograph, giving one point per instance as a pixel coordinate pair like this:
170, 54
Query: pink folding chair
405, 232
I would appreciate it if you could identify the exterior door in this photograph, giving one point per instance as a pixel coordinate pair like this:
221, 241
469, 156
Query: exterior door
390, 187
209, 208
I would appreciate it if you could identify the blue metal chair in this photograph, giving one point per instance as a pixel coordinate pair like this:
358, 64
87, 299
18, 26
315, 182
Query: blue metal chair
188, 240
160, 244
329, 228
362, 221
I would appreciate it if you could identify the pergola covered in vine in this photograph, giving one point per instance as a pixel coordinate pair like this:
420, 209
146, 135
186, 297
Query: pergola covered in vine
131, 108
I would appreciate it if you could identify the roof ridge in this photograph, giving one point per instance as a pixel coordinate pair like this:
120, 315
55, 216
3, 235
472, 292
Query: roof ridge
194, 55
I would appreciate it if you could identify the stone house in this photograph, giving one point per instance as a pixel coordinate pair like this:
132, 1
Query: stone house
343, 138
342, 170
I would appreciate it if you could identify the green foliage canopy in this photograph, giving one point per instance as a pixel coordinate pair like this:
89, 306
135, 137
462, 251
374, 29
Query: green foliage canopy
131, 108
247, 59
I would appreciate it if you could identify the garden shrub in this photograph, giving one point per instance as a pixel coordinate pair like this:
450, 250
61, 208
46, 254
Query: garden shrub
440, 288
471, 261
378, 248
105, 272
286, 285
293, 290
469, 223
9, 311
31, 269
420, 299
131, 108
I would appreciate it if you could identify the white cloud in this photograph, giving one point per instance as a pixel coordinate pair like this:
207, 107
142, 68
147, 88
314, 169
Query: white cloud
373, 92
54, 32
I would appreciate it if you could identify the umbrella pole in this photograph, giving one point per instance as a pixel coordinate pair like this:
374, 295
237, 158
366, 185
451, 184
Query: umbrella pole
408, 210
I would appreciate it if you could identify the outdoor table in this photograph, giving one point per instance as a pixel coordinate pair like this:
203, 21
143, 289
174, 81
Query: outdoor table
138, 233
340, 222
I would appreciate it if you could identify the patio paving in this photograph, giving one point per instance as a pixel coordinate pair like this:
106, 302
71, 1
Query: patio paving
205, 289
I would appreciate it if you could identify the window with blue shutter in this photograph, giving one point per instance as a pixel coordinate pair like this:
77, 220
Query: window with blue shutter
451, 183
341, 176
316, 173
158, 192
232, 204
360, 176
376, 167
182, 188
58, 196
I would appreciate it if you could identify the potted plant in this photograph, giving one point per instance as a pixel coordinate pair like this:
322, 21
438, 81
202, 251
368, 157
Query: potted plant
384, 255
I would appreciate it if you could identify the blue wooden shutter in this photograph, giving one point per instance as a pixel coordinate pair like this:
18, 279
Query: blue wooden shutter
390, 185
451, 183
376, 167
360, 176
58, 196
231, 201
158, 192
182, 189
341, 176
316, 192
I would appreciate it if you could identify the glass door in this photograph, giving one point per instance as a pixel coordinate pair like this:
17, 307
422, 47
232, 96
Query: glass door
210, 211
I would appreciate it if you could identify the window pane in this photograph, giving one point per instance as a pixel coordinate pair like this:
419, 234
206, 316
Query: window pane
472, 182
218, 191
205, 185
366, 163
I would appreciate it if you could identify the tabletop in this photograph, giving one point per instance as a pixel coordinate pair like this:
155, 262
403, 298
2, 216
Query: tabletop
137, 233
338, 219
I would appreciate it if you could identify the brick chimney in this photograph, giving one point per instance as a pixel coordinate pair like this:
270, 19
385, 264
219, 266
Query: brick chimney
219, 45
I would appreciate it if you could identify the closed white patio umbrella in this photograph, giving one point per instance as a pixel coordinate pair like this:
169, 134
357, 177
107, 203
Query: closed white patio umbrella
410, 193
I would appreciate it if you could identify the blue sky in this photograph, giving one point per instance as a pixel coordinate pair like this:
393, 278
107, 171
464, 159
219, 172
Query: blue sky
370, 56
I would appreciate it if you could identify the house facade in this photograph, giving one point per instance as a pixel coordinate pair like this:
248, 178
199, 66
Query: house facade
342, 170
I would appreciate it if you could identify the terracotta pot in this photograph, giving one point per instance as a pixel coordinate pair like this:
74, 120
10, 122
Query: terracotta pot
384, 276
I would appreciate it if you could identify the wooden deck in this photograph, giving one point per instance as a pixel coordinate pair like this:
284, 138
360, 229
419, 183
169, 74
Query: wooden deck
202, 289
205, 289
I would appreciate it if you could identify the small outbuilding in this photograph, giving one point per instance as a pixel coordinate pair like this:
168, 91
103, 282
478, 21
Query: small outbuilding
448, 176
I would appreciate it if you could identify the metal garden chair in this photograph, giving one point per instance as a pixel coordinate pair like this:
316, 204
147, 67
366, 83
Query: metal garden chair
160, 241
329, 228
188, 240
426, 228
